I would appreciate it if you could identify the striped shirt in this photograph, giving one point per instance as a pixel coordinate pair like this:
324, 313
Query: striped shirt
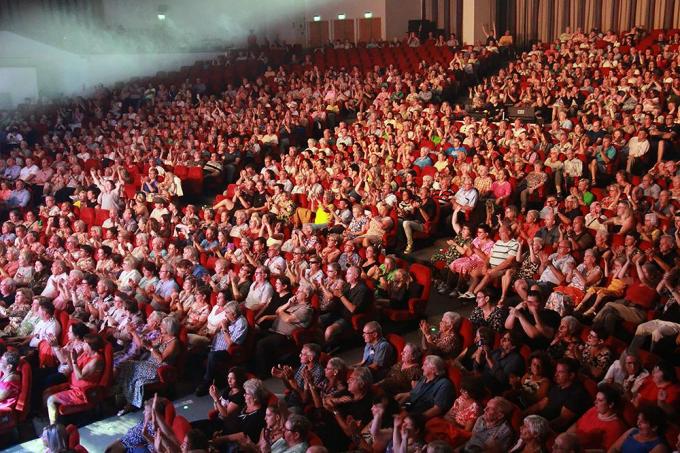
501, 251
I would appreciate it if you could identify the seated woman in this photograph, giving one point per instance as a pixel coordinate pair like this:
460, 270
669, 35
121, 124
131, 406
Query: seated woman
275, 429
600, 426
227, 405
647, 436
408, 433
144, 333
48, 376
404, 373
197, 314
87, 367
487, 313
532, 435
617, 282
378, 225
564, 298
534, 385
10, 380
445, 340
398, 291
661, 388
17, 314
567, 338
247, 425
468, 406
133, 375
595, 357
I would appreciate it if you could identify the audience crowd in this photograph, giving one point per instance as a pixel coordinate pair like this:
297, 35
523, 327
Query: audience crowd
564, 239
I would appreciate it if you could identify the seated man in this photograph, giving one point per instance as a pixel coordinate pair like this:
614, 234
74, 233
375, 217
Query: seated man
492, 430
295, 432
354, 298
433, 394
295, 381
533, 324
47, 328
501, 258
567, 399
297, 312
379, 355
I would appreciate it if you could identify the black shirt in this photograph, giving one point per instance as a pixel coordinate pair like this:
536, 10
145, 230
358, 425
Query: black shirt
359, 296
575, 398
549, 318
429, 207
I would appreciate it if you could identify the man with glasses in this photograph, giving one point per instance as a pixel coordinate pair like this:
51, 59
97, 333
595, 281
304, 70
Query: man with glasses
295, 432
295, 381
533, 324
379, 355
354, 298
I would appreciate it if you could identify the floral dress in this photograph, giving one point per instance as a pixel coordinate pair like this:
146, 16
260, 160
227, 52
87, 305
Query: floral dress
464, 410
451, 254
601, 360
134, 375
495, 321
465, 264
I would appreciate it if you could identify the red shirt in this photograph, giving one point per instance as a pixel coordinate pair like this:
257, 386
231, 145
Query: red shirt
598, 434
649, 391
641, 295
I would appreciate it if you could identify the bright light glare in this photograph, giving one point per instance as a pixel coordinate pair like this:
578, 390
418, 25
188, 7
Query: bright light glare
342, 16
317, 18
161, 17
368, 15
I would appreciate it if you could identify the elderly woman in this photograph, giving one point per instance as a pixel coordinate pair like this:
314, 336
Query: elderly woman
444, 340
487, 313
403, 374
10, 380
261, 291
378, 226
248, 424
564, 298
532, 435
134, 375
87, 368
566, 339
661, 388
17, 312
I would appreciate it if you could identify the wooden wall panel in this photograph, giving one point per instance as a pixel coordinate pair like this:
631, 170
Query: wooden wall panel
318, 33
344, 30
369, 29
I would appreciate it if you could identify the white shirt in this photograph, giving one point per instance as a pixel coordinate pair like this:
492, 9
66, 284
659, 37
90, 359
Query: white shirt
51, 290
27, 172
43, 330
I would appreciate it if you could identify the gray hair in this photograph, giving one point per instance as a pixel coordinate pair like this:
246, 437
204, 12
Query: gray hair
454, 317
233, 307
364, 376
438, 363
254, 388
537, 426
171, 325
572, 324
570, 442
337, 364
374, 325
9, 281
505, 406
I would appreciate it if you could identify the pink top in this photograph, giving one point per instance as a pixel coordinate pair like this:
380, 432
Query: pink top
13, 388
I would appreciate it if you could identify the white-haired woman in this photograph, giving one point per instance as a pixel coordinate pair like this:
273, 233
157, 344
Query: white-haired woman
532, 435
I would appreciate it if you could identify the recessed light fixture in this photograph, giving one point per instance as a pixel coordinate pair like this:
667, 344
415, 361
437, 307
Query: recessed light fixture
368, 15
342, 16
317, 18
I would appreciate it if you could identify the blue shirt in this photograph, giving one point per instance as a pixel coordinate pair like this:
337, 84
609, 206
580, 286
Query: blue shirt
238, 330
423, 162
165, 288
19, 198
12, 172
380, 354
